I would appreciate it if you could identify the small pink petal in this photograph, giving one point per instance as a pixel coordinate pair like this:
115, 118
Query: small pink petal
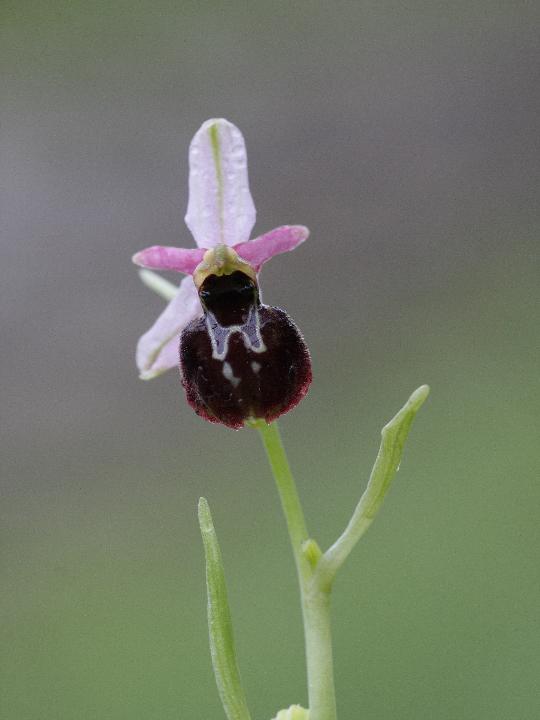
220, 208
159, 257
157, 349
281, 239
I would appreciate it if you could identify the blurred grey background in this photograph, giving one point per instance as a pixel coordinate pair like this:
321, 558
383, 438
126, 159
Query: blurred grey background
405, 135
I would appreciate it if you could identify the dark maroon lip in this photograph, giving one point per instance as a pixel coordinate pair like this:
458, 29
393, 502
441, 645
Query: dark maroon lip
259, 367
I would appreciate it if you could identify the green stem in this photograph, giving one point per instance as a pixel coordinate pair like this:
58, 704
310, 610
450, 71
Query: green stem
315, 600
288, 494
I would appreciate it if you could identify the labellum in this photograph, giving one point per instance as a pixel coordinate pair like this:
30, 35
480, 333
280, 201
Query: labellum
242, 360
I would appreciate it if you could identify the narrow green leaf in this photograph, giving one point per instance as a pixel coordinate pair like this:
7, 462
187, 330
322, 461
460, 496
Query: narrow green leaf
393, 436
222, 648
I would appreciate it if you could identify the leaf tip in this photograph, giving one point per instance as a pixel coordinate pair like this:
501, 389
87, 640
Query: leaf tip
419, 396
205, 517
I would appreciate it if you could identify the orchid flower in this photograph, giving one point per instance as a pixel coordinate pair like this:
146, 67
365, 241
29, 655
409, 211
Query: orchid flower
240, 360
245, 363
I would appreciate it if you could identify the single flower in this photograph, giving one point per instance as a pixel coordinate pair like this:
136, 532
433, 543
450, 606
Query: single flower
239, 359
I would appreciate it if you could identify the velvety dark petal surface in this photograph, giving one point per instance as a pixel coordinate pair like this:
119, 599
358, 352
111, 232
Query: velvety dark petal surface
248, 382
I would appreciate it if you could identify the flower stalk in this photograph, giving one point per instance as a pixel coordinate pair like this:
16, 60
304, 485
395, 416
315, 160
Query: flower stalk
317, 571
315, 601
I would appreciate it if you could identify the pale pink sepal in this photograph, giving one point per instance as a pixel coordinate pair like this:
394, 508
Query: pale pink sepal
281, 239
220, 208
161, 257
157, 349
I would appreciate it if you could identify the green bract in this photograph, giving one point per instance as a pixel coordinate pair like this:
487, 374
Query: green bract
295, 712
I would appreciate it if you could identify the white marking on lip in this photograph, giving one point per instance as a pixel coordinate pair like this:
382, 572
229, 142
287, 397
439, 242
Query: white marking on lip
250, 332
255, 366
229, 375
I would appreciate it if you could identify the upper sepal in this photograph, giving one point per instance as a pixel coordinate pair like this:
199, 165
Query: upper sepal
220, 208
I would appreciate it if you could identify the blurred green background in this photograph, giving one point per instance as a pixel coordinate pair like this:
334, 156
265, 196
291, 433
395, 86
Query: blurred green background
405, 135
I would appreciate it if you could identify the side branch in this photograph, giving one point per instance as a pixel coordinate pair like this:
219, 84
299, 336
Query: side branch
393, 437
